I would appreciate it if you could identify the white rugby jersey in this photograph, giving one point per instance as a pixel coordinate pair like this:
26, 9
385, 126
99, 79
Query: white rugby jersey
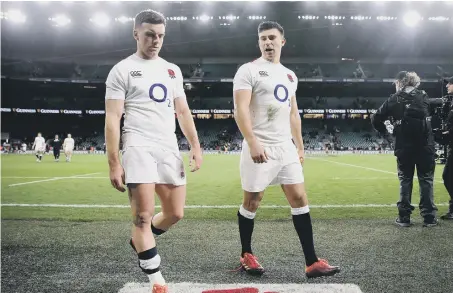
149, 88
40, 142
68, 142
272, 87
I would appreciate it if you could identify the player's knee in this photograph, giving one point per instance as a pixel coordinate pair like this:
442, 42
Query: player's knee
299, 199
177, 216
143, 219
174, 216
252, 206
252, 201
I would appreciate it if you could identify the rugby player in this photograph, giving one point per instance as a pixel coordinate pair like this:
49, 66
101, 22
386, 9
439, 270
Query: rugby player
68, 147
267, 115
39, 145
150, 91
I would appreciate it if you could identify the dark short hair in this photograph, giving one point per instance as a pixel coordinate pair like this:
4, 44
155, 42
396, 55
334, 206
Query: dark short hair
149, 16
268, 25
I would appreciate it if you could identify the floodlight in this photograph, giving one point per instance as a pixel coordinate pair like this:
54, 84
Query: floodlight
412, 18
100, 19
60, 20
124, 19
15, 16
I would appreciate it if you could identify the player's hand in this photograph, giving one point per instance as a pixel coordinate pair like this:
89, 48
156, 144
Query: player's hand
301, 154
196, 159
258, 153
117, 178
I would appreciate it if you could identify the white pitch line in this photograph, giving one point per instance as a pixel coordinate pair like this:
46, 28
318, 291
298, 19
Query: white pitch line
252, 287
366, 168
364, 178
31, 177
24, 177
52, 179
87, 206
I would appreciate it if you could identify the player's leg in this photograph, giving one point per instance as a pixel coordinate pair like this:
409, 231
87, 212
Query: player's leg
55, 154
246, 222
172, 199
140, 175
37, 155
297, 199
142, 206
170, 188
254, 180
246, 216
40, 154
69, 157
292, 182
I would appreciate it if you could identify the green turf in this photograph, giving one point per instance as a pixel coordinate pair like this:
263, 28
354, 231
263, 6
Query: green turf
329, 181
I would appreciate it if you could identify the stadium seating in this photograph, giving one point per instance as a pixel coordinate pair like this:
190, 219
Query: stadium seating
346, 69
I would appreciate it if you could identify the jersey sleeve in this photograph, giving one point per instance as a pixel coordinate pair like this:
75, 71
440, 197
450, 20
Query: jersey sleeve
179, 84
243, 78
115, 85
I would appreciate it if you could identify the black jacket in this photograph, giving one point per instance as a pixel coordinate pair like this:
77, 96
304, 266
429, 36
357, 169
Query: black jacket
450, 124
393, 109
56, 144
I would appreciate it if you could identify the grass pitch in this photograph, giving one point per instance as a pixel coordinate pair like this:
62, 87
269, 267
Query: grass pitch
85, 249
333, 183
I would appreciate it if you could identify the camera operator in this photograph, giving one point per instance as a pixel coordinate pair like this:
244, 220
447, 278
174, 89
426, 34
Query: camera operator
447, 175
414, 145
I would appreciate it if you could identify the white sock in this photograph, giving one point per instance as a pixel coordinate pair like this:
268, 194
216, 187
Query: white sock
156, 278
300, 211
246, 214
152, 264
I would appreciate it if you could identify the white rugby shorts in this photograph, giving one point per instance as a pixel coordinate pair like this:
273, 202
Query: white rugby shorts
40, 149
68, 150
283, 167
153, 165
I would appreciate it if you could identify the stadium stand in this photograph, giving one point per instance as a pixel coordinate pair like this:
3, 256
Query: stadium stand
212, 70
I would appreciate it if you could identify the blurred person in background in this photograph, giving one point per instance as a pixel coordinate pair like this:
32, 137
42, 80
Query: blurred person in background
39, 146
409, 109
68, 147
56, 144
447, 175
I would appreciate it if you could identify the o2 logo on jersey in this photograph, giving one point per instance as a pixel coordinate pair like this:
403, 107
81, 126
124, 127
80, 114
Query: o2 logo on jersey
278, 94
151, 92
164, 89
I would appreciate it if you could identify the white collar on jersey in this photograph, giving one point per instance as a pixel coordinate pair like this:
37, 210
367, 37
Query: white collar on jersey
264, 61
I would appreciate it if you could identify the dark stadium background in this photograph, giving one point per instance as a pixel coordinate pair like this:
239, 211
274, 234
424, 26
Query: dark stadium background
67, 232
49, 67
